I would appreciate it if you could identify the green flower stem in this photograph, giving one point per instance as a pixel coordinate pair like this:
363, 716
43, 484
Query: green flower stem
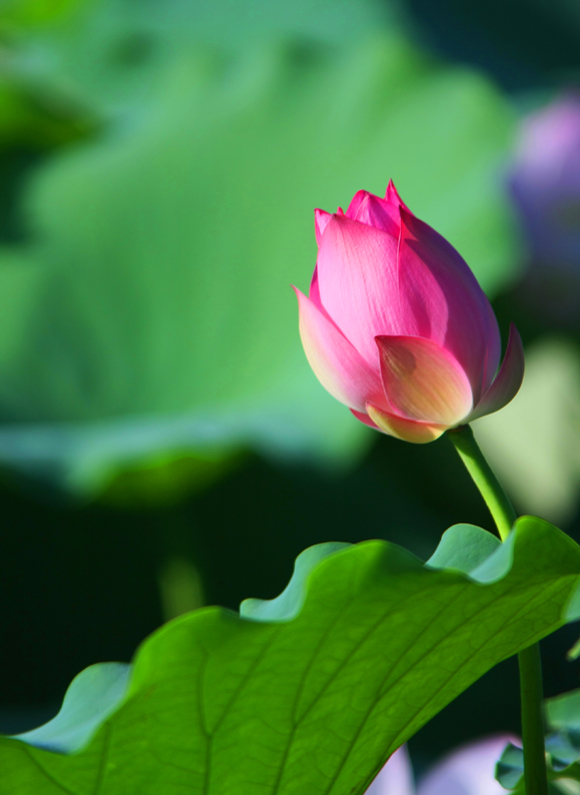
532, 720
491, 490
530, 663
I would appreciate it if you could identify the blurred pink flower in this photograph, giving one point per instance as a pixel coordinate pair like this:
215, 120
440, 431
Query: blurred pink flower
468, 771
396, 326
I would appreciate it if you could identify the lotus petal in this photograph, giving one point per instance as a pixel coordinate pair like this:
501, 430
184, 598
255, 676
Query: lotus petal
373, 211
336, 363
321, 219
357, 282
507, 382
441, 300
407, 430
423, 381
364, 417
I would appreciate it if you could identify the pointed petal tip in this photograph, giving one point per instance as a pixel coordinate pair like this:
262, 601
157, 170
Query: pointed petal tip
516, 334
358, 197
393, 197
321, 219
369, 209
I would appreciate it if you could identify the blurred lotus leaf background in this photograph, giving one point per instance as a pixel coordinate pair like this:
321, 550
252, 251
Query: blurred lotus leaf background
146, 305
535, 443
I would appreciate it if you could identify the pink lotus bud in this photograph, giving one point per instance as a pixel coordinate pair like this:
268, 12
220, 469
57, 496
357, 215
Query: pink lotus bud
396, 326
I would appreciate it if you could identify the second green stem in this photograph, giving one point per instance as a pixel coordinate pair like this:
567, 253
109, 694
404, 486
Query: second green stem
530, 664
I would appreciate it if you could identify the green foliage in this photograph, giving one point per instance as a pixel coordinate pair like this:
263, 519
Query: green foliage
311, 691
149, 308
92, 696
465, 548
509, 770
562, 747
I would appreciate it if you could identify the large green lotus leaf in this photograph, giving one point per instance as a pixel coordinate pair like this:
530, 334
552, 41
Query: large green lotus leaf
103, 56
159, 314
25, 13
308, 693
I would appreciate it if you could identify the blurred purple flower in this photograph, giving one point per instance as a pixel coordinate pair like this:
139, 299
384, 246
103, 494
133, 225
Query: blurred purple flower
544, 182
468, 771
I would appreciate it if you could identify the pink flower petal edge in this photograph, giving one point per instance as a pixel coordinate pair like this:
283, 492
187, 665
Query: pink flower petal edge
408, 430
507, 382
336, 363
364, 417
442, 301
369, 209
357, 282
321, 219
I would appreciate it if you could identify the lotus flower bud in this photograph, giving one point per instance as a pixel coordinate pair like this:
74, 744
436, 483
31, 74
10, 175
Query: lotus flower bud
396, 326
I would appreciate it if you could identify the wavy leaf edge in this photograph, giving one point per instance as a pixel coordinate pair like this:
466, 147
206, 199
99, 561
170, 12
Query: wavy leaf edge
465, 551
